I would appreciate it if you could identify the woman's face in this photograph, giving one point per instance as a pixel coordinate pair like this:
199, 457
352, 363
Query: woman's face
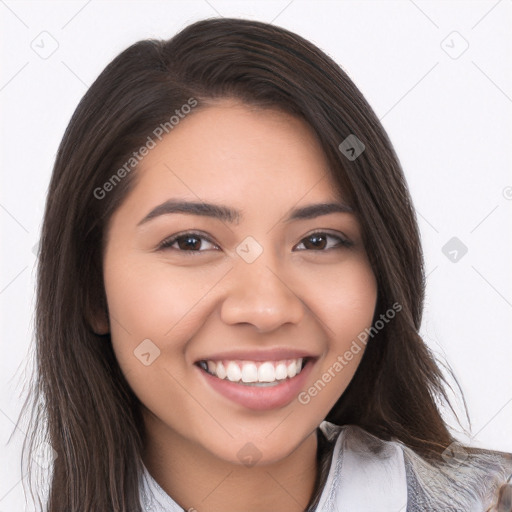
255, 289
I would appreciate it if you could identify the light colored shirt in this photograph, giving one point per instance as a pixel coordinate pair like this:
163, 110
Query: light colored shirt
368, 474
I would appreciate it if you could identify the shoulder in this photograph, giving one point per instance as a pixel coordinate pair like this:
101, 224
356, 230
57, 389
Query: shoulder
463, 479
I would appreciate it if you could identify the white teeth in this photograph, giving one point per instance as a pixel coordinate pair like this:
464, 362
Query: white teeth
234, 372
292, 369
220, 371
249, 373
254, 372
266, 373
281, 371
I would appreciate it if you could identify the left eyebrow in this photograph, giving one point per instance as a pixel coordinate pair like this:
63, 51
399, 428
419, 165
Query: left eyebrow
316, 210
232, 215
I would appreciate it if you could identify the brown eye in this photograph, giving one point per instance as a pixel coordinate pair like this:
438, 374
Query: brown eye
187, 242
319, 241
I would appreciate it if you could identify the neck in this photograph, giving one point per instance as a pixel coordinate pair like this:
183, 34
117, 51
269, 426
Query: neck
198, 481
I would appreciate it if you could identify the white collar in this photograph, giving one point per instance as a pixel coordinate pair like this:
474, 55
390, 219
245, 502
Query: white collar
366, 474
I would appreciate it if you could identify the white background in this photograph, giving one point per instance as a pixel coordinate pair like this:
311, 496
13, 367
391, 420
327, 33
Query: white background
447, 113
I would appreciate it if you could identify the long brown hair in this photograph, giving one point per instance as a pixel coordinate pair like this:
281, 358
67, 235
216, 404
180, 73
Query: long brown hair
82, 405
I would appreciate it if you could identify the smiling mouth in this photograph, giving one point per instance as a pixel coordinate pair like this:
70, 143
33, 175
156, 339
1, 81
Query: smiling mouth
255, 373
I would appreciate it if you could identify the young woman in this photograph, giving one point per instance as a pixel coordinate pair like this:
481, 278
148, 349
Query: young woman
230, 289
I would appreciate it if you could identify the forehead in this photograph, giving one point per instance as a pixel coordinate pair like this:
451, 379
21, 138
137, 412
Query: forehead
233, 143
257, 160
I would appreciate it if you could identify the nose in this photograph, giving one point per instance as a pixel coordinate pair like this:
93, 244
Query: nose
260, 296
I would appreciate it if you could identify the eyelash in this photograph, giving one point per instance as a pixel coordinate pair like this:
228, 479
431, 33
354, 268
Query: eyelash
168, 242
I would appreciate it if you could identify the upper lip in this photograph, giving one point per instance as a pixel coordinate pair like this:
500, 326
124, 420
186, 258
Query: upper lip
276, 354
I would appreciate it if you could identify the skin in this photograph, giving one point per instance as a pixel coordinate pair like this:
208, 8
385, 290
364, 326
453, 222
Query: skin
299, 294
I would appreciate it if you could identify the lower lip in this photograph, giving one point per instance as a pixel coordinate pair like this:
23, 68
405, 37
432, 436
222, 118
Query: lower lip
260, 398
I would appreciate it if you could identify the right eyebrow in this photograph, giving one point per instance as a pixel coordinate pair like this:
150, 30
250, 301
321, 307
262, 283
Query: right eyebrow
220, 212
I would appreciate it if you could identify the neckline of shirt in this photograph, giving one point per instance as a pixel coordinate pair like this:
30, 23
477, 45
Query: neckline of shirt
153, 496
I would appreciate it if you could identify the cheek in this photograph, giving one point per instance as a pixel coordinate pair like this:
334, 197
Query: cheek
154, 311
345, 302
345, 307
154, 299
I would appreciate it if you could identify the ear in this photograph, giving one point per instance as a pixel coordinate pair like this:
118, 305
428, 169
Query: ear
99, 322
97, 316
